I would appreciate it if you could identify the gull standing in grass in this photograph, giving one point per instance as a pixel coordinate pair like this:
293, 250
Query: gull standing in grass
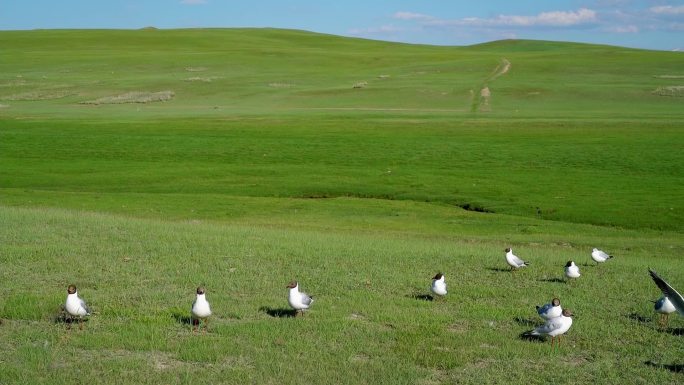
599, 256
550, 310
200, 310
571, 270
513, 260
438, 286
554, 327
664, 307
298, 300
675, 298
75, 306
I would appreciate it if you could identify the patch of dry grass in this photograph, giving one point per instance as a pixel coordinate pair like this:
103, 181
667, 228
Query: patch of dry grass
669, 91
280, 85
201, 79
38, 95
134, 97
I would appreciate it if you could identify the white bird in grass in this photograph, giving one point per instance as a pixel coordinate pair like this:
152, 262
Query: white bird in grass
675, 298
555, 327
298, 300
572, 270
76, 306
513, 260
664, 307
200, 310
599, 256
550, 310
438, 286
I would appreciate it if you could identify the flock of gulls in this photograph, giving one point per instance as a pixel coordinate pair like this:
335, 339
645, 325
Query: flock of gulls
557, 320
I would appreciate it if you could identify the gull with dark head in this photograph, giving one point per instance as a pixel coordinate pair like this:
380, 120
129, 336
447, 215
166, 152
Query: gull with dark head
550, 310
75, 306
298, 300
200, 310
513, 260
554, 327
439, 286
571, 270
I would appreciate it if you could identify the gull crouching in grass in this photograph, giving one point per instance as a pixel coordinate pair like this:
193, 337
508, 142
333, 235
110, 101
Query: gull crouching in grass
555, 327
75, 306
298, 300
668, 291
599, 256
200, 310
664, 307
439, 286
513, 260
571, 270
550, 310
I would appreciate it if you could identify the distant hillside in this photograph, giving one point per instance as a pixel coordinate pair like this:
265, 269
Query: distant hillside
61, 72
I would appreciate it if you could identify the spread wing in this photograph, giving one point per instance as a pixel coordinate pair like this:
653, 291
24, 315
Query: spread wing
672, 294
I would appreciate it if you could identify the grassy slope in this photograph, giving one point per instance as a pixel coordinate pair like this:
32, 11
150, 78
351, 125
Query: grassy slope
214, 187
368, 323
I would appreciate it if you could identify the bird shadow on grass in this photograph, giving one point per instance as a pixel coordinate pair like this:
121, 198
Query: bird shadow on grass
61, 317
526, 322
675, 331
677, 368
278, 312
499, 269
636, 317
182, 318
526, 336
554, 280
422, 297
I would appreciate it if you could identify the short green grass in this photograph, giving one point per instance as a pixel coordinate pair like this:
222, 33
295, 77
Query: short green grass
273, 167
369, 321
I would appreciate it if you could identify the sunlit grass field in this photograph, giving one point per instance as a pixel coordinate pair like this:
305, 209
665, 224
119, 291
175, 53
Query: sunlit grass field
139, 165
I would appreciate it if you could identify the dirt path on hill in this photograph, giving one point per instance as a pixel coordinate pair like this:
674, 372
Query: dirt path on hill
481, 101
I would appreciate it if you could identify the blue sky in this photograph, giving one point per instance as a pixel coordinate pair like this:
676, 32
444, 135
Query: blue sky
651, 24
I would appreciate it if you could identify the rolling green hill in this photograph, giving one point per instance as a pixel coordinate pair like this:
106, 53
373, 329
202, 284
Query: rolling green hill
141, 164
560, 131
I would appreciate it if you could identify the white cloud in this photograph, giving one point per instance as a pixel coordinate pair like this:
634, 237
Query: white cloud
546, 19
625, 29
385, 29
412, 16
193, 2
668, 10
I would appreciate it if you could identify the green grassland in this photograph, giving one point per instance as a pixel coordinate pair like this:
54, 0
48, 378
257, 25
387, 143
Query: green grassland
141, 164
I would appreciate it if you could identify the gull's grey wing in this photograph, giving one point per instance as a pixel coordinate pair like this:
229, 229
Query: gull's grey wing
518, 261
306, 299
83, 305
672, 294
602, 254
